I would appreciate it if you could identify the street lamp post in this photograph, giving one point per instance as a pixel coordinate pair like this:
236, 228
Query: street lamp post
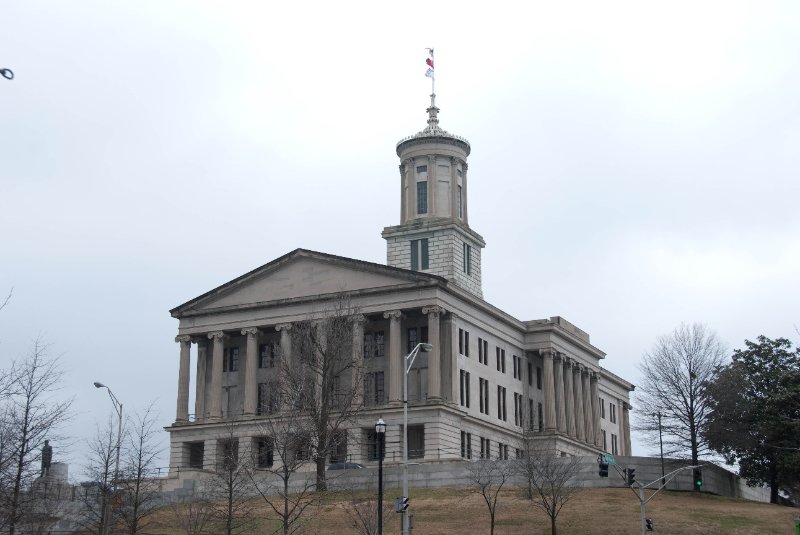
380, 430
409, 361
118, 409
661, 444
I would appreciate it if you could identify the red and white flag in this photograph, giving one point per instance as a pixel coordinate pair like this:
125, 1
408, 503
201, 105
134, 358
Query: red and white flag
429, 63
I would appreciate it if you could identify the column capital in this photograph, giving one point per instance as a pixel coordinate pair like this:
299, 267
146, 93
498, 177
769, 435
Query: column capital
250, 331
559, 356
626, 406
183, 339
283, 327
393, 315
452, 316
585, 370
358, 319
216, 335
433, 310
594, 376
547, 353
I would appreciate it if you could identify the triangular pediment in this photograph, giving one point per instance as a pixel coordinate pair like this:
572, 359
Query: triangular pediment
303, 274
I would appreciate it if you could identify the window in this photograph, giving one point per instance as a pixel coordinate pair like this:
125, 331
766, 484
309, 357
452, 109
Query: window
518, 409
484, 395
530, 373
422, 197
416, 441
538, 377
267, 353
416, 335
517, 368
229, 453
302, 447
196, 454
464, 389
501, 360
602, 408
373, 389
486, 451
265, 453
372, 442
501, 403
337, 451
230, 359
518, 452
540, 417
422, 169
467, 260
374, 345
481, 353
530, 414
460, 202
419, 254
466, 445
605, 446
463, 342
612, 413
614, 444
267, 400
502, 451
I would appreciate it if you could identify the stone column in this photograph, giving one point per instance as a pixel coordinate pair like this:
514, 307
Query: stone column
434, 355
250, 371
626, 431
587, 407
182, 412
286, 343
580, 428
558, 368
598, 436
357, 377
569, 398
396, 360
405, 186
215, 409
549, 392
464, 191
451, 352
200, 383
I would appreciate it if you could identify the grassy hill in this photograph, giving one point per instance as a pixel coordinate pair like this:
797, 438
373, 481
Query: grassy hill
593, 512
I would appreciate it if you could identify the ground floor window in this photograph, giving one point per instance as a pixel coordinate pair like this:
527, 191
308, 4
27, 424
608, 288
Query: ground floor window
372, 443
266, 453
416, 441
196, 454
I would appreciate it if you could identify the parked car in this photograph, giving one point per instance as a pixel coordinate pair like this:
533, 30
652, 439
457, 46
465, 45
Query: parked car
344, 466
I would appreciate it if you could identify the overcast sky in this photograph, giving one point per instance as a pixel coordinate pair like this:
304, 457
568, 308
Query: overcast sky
634, 164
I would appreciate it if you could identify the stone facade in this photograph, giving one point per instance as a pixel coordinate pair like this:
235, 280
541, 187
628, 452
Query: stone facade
488, 378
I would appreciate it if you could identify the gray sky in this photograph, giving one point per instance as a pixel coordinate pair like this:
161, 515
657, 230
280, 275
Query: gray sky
634, 165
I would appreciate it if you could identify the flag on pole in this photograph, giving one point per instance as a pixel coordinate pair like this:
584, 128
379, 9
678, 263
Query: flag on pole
429, 63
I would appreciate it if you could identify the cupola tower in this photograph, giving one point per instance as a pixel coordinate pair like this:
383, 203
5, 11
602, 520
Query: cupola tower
434, 234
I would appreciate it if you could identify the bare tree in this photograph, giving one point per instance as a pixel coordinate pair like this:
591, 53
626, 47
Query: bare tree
192, 513
138, 486
228, 485
7, 299
674, 374
284, 448
362, 508
552, 479
98, 493
326, 370
487, 478
31, 413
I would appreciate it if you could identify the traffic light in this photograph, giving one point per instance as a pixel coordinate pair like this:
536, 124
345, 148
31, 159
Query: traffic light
603, 469
401, 504
697, 477
648, 523
630, 476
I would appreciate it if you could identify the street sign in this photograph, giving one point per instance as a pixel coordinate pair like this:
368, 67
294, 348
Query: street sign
609, 459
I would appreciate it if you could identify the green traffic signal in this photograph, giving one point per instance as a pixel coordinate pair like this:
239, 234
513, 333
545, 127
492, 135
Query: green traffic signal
698, 478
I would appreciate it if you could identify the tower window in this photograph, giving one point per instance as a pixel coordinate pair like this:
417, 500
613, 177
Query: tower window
419, 254
467, 259
460, 202
422, 197
422, 169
